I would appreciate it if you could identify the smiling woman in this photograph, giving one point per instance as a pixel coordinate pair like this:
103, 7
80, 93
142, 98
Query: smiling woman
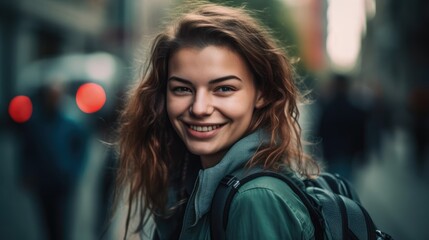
219, 96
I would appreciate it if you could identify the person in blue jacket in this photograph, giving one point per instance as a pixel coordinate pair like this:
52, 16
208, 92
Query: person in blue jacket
219, 95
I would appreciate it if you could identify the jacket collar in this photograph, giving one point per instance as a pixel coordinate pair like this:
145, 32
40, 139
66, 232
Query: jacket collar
208, 179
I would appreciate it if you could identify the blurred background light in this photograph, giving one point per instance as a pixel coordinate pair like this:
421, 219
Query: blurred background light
346, 23
90, 97
100, 66
20, 109
371, 8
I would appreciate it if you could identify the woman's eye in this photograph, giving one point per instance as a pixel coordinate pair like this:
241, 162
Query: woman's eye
182, 90
224, 89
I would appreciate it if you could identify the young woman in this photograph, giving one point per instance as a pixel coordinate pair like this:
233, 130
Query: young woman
218, 96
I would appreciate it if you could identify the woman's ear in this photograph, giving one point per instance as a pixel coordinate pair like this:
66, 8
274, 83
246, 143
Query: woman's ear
260, 100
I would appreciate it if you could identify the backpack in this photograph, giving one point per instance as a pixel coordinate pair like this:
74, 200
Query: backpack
333, 205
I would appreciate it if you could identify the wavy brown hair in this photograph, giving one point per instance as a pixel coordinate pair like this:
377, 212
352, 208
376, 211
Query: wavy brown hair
147, 141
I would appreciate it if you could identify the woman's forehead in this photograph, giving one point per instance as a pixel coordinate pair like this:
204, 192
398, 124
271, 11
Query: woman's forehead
209, 62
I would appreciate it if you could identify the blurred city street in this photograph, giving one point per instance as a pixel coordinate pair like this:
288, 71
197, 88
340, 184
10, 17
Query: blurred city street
364, 62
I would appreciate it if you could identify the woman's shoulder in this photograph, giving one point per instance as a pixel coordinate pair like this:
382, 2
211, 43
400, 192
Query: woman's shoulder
269, 200
269, 187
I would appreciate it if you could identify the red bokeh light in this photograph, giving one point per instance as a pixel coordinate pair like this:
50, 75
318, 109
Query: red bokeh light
20, 109
90, 97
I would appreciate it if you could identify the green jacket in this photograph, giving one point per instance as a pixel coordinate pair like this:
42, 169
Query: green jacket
264, 208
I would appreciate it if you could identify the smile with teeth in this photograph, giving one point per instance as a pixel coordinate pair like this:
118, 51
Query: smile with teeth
204, 128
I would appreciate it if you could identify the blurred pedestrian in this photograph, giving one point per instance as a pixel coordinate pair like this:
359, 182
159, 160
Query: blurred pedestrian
380, 121
53, 159
419, 108
219, 96
342, 128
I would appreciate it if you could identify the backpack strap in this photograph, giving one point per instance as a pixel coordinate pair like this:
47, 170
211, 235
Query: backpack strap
229, 186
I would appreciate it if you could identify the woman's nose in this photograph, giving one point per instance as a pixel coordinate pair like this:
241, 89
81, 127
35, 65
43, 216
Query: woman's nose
201, 105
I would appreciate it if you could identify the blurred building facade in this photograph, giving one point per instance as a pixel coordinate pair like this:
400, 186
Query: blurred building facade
394, 63
44, 29
35, 30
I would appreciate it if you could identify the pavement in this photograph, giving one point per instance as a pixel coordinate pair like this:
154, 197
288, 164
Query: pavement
394, 190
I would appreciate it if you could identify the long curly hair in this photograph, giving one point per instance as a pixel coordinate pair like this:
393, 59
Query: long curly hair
147, 140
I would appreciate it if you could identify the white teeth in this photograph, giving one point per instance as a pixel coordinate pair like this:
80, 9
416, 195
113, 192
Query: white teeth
204, 128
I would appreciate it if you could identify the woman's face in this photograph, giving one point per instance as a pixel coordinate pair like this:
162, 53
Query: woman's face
211, 97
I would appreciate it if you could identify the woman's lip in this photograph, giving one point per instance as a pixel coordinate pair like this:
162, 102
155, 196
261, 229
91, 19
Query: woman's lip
203, 124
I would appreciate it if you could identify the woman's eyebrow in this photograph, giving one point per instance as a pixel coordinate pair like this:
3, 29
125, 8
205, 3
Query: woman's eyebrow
221, 79
174, 78
213, 81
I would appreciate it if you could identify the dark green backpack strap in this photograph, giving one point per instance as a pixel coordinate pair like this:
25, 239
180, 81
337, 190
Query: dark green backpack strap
229, 186
222, 199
